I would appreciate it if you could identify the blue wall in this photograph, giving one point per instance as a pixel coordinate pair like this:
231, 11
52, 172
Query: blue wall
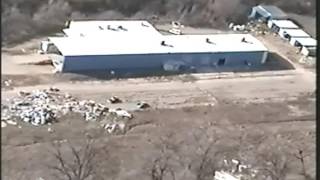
104, 62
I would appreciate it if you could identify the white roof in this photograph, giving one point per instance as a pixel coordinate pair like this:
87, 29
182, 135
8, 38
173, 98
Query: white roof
285, 24
296, 33
101, 28
306, 41
113, 45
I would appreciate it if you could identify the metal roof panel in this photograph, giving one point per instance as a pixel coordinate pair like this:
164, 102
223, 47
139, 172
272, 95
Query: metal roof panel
115, 45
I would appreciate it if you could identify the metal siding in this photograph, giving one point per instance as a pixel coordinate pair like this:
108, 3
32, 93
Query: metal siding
234, 59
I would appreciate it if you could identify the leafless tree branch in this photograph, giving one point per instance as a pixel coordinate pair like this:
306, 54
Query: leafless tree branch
80, 168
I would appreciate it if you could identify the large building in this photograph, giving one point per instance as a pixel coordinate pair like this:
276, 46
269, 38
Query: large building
147, 48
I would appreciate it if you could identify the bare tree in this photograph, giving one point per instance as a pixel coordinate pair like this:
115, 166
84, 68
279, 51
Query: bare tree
82, 165
162, 165
272, 162
161, 168
206, 161
277, 167
301, 155
195, 154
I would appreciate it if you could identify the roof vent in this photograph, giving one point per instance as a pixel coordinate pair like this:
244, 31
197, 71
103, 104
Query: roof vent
209, 41
245, 41
110, 28
145, 25
122, 28
163, 43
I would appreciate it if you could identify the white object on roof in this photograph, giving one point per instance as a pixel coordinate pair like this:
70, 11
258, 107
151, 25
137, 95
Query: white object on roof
286, 24
101, 28
115, 45
307, 42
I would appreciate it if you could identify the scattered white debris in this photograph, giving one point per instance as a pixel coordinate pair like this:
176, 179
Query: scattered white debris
40, 178
7, 82
112, 127
43, 107
238, 27
50, 130
176, 24
54, 89
122, 126
143, 105
114, 100
11, 122
175, 31
235, 161
3, 124
121, 113
231, 25
221, 175
23, 93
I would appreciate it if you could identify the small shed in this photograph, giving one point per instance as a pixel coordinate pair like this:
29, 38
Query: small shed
307, 45
278, 25
288, 34
267, 12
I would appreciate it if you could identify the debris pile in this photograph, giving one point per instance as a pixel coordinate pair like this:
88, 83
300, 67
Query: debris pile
252, 26
176, 28
115, 127
143, 105
45, 106
6, 83
234, 169
307, 60
114, 100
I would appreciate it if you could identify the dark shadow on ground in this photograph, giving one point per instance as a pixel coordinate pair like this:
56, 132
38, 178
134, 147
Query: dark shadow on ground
274, 63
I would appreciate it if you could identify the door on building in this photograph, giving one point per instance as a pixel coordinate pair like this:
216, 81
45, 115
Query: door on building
221, 61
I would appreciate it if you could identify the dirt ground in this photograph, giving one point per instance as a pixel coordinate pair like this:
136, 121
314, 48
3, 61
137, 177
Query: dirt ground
269, 108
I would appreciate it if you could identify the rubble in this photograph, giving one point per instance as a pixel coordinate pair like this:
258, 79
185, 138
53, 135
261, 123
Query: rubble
221, 175
236, 169
114, 100
7, 83
113, 127
176, 28
121, 113
256, 27
3, 124
239, 28
142, 105
42, 107
11, 122
50, 130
